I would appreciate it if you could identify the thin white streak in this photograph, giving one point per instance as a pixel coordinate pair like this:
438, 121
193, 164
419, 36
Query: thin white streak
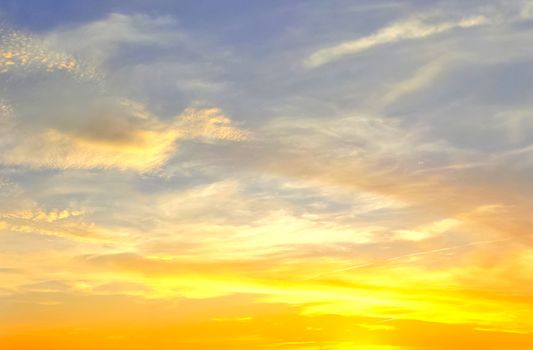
410, 29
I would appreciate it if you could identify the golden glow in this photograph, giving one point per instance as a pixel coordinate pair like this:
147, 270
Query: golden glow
135, 214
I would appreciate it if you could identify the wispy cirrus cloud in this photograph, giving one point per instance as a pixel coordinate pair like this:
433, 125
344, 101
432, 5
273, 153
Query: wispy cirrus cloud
415, 28
424, 76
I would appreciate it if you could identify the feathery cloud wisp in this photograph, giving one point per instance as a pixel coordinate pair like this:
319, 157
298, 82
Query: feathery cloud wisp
411, 29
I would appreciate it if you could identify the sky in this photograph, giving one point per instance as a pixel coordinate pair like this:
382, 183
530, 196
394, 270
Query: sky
270, 175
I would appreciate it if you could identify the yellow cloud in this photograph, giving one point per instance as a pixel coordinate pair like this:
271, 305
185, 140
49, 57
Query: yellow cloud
41, 215
428, 230
141, 143
22, 52
56, 149
209, 123
63, 223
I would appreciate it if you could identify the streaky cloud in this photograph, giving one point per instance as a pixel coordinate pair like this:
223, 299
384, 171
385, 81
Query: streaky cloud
411, 29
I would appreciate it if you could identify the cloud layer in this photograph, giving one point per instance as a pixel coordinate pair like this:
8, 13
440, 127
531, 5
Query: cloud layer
175, 179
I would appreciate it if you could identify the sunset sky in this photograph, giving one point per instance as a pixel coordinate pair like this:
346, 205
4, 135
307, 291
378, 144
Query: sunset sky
266, 175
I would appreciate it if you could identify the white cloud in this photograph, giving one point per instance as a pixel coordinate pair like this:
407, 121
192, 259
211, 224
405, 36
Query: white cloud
526, 12
427, 231
423, 77
410, 29
100, 39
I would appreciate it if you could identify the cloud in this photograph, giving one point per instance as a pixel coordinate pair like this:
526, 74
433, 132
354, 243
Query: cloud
127, 142
22, 53
423, 77
51, 148
526, 10
236, 220
41, 215
100, 40
209, 124
65, 223
516, 125
386, 157
76, 121
428, 230
327, 205
411, 29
